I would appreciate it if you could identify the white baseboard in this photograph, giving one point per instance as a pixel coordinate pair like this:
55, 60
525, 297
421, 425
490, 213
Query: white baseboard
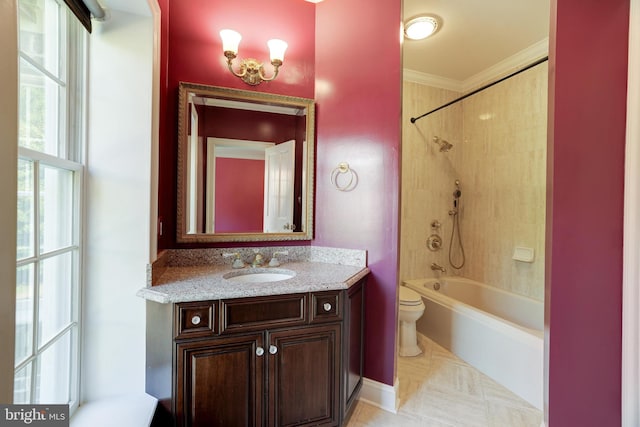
381, 395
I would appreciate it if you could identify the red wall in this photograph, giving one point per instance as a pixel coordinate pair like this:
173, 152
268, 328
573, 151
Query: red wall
239, 214
192, 52
358, 120
358, 94
249, 125
587, 98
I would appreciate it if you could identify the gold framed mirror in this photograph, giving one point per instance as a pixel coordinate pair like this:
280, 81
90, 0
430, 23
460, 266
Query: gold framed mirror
245, 165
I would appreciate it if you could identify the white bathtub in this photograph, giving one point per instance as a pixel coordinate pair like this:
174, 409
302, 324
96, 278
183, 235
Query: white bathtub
497, 332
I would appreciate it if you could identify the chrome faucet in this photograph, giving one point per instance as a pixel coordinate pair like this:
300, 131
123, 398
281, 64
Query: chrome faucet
437, 267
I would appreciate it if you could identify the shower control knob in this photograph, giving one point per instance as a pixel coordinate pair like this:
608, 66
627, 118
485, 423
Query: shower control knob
434, 242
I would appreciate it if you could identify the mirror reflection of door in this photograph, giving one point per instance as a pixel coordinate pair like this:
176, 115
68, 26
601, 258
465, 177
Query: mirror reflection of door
194, 222
278, 188
235, 181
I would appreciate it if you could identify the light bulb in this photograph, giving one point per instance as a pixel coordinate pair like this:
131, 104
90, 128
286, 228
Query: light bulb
276, 49
230, 40
421, 27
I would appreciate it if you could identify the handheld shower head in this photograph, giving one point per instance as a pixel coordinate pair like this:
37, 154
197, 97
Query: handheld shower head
457, 193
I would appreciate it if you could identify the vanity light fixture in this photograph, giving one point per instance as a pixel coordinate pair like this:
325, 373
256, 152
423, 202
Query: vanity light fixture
251, 71
421, 27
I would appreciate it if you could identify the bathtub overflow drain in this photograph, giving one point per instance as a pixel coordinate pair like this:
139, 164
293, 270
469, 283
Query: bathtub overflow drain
436, 286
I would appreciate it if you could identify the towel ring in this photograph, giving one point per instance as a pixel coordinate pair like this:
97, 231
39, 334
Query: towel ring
343, 168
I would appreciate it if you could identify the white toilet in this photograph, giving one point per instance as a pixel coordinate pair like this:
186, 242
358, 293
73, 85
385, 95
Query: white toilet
411, 309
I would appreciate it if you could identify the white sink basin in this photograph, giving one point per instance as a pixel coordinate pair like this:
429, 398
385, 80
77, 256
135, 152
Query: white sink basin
259, 275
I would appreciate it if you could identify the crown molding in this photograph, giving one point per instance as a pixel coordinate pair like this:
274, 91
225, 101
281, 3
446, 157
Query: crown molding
513, 63
431, 80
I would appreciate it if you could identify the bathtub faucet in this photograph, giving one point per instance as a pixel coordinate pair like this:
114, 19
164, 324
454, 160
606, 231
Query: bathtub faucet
437, 267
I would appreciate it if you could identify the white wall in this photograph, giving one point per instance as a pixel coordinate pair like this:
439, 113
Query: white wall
631, 266
8, 177
118, 205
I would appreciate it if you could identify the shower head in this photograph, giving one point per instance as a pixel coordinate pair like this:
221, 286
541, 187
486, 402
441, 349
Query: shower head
444, 145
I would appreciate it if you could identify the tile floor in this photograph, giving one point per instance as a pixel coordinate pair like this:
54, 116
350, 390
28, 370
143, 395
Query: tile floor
438, 389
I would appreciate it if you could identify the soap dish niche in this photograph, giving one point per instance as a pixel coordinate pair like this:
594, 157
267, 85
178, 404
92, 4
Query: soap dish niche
523, 254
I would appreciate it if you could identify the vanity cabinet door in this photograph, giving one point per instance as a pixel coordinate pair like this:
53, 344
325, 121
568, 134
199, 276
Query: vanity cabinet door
304, 376
220, 382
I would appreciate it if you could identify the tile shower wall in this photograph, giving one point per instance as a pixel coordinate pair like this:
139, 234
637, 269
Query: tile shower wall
427, 176
499, 154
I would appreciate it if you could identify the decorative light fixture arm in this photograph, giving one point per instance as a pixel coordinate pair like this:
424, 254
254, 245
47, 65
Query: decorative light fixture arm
251, 71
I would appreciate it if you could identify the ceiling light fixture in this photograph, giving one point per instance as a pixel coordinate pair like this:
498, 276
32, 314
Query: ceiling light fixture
421, 27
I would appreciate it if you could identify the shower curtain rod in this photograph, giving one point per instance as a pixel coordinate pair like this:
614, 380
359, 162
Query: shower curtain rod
533, 64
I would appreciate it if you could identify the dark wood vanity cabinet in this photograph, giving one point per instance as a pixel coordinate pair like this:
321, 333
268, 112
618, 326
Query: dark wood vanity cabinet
284, 360
304, 376
218, 382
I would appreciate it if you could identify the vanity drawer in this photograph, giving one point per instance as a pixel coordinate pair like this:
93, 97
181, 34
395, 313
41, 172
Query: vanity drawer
250, 314
326, 306
196, 319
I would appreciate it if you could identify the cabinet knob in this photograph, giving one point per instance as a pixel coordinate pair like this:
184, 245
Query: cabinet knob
327, 306
259, 351
195, 320
273, 349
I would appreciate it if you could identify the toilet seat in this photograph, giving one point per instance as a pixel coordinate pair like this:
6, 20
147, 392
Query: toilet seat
409, 297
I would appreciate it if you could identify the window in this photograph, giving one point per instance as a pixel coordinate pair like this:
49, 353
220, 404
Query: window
49, 216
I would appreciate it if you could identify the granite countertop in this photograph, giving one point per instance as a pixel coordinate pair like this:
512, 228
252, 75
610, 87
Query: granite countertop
182, 283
